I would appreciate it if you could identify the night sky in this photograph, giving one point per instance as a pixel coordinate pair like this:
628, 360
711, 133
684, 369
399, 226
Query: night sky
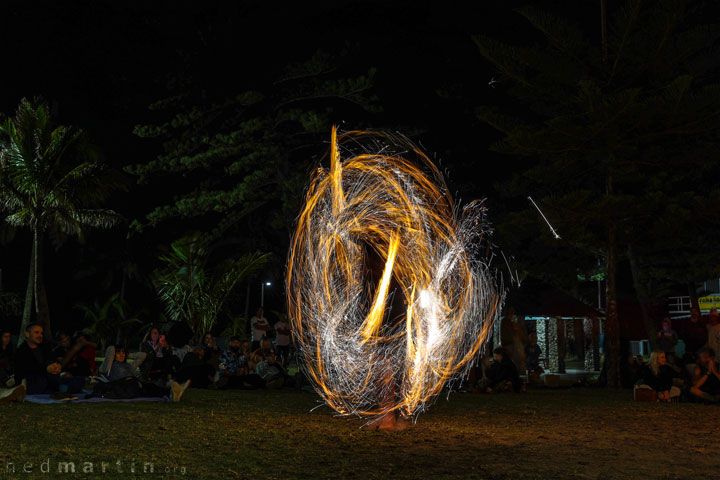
99, 64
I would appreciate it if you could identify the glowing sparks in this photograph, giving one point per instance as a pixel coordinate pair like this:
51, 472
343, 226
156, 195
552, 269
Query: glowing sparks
388, 296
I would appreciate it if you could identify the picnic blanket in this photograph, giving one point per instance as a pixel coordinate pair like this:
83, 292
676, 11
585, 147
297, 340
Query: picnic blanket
45, 399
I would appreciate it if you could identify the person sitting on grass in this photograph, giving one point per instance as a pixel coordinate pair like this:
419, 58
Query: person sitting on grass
7, 353
659, 376
159, 361
264, 351
79, 358
194, 367
124, 384
233, 369
706, 379
273, 373
502, 374
35, 363
212, 352
137, 360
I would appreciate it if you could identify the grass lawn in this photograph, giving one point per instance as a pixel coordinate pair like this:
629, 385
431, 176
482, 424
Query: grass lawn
571, 433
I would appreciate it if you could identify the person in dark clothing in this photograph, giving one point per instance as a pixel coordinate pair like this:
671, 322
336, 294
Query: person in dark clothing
159, 359
7, 353
502, 374
532, 354
195, 368
659, 376
706, 378
667, 338
212, 352
34, 362
630, 371
694, 333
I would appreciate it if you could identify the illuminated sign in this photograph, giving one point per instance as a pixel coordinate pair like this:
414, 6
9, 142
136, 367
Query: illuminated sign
708, 302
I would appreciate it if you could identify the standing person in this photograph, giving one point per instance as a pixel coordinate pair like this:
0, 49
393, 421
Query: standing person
35, 363
513, 338
695, 334
260, 328
713, 329
532, 354
667, 338
282, 340
7, 353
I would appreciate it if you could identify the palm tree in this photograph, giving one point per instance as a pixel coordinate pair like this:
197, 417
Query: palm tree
192, 292
50, 181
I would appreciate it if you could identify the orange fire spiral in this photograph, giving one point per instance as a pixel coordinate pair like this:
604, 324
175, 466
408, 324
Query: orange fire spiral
388, 294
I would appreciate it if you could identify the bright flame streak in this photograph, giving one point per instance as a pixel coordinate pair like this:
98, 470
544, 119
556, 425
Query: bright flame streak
360, 360
375, 317
336, 174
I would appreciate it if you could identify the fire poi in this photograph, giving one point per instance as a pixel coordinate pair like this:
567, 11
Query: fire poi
389, 294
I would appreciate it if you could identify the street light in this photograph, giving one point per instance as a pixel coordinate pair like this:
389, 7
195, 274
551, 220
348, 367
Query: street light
262, 292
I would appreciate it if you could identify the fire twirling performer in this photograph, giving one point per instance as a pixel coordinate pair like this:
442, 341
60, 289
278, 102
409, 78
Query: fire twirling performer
389, 295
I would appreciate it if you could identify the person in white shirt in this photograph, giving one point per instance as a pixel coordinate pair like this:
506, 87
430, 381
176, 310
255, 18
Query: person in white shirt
282, 340
260, 328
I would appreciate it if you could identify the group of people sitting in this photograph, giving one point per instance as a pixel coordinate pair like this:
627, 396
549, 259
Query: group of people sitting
692, 375
672, 382
157, 369
68, 369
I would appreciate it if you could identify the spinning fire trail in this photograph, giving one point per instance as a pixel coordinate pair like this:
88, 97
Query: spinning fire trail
388, 294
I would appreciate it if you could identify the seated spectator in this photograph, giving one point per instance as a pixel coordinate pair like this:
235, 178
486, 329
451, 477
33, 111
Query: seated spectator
667, 338
110, 353
194, 367
273, 373
630, 372
658, 376
123, 382
706, 379
247, 352
78, 359
35, 363
212, 352
532, 355
159, 361
233, 371
502, 374
7, 353
261, 353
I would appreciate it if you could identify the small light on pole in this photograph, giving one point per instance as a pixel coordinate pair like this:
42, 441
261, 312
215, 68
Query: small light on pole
262, 292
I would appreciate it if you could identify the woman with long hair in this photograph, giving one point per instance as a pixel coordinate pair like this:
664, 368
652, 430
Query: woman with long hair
658, 376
